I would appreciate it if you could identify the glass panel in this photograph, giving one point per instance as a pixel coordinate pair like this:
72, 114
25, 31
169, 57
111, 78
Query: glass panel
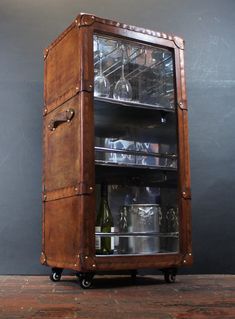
130, 71
136, 152
140, 224
139, 137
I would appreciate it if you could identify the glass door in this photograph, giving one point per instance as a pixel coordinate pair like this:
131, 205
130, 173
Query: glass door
136, 159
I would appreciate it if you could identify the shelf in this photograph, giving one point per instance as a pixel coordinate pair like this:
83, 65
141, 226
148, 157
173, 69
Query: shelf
127, 165
133, 152
116, 254
136, 104
139, 234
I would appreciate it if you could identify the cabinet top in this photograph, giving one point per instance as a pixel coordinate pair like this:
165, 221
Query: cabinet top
87, 19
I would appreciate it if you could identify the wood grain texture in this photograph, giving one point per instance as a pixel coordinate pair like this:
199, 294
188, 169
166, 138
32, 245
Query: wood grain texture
191, 297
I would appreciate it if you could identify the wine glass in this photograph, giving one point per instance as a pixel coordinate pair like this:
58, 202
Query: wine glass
123, 90
101, 82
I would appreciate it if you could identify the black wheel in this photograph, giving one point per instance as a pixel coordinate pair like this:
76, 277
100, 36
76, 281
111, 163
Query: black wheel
85, 283
169, 278
170, 275
85, 280
56, 274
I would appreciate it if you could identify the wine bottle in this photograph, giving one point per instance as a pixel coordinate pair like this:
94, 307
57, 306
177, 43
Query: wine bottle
104, 224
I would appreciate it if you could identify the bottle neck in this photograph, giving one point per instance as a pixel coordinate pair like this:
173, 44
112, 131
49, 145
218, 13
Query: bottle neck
104, 191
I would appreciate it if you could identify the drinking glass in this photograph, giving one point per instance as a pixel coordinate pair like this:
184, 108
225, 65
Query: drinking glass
101, 82
123, 90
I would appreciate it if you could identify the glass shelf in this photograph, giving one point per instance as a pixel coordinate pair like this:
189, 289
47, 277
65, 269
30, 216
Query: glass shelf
133, 158
134, 234
136, 104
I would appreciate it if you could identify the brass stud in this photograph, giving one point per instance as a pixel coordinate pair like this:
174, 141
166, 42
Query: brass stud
68, 121
184, 261
189, 254
93, 265
90, 86
91, 188
76, 189
77, 88
86, 257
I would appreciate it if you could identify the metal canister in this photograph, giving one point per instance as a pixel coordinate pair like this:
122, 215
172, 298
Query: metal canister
143, 224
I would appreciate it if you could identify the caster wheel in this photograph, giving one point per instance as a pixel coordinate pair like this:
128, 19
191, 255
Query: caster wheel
56, 274
169, 278
85, 279
85, 283
170, 275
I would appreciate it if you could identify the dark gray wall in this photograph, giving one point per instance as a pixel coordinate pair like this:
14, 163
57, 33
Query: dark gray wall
26, 27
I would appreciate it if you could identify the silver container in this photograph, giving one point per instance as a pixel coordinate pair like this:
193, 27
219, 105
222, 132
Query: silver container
143, 226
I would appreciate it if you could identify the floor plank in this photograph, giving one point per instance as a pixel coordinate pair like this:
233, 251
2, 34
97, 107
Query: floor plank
191, 297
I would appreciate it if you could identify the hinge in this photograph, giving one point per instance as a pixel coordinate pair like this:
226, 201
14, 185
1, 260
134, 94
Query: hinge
83, 188
183, 105
186, 193
85, 86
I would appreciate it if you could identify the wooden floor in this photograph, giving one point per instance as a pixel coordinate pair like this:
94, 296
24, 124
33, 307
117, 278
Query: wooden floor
190, 297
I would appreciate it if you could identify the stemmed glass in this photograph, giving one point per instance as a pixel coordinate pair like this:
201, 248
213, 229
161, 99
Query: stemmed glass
123, 90
101, 82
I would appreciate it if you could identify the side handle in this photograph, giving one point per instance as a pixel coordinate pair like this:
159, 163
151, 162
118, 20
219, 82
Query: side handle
60, 118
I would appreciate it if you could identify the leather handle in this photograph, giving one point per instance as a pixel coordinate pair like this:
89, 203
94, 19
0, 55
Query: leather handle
60, 118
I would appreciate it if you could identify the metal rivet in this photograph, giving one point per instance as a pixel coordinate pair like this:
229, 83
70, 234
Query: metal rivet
185, 261
75, 265
93, 265
184, 193
68, 121
76, 189
77, 88
90, 86
91, 188
189, 254
53, 129
76, 21
86, 257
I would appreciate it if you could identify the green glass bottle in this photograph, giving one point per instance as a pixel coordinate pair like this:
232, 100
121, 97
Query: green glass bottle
104, 224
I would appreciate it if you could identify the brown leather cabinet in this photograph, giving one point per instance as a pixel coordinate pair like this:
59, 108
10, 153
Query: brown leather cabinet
115, 113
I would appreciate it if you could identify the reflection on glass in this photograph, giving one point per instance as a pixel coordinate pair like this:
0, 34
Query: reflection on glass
146, 71
101, 82
133, 153
142, 225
